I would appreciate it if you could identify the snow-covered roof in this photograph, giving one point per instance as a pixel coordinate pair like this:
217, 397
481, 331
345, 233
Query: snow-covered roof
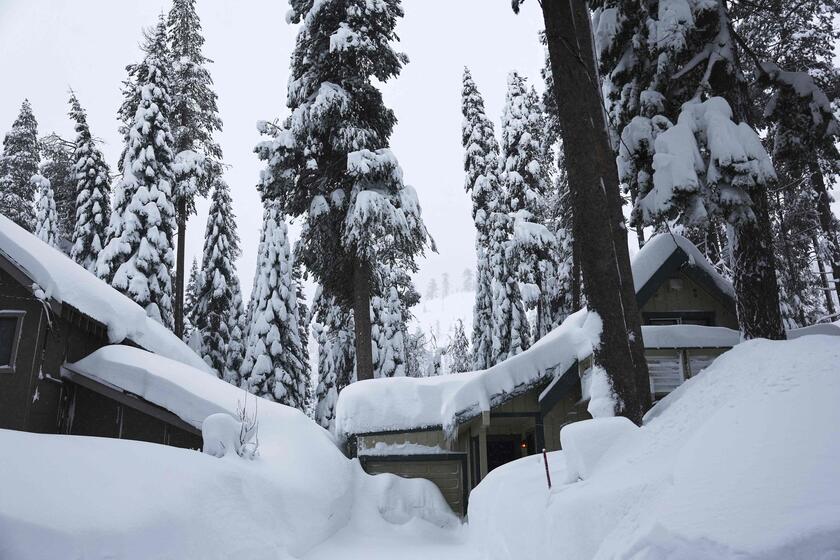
831, 329
659, 248
62, 280
185, 391
689, 336
403, 403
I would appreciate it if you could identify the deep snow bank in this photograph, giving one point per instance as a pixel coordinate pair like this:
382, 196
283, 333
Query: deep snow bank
80, 497
739, 462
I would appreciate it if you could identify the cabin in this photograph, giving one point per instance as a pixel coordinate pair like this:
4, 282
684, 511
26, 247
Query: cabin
455, 429
53, 315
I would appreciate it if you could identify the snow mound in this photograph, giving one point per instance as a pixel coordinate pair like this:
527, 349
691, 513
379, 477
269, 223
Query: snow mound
64, 281
134, 500
585, 442
740, 462
401, 403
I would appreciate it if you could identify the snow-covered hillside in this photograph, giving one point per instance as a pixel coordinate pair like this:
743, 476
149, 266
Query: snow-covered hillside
740, 462
437, 317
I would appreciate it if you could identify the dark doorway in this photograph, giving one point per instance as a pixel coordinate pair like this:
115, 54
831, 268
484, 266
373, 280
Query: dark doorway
501, 450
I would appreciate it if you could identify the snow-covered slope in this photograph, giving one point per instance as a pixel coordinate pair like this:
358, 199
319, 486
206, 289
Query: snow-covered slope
438, 316
739, 462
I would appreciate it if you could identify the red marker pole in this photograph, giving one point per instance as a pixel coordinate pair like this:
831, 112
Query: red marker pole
547, 475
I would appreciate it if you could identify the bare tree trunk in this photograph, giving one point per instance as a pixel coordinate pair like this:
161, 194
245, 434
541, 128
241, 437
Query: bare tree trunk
828, 223
826, 289
181, 271
361, 319
593, 182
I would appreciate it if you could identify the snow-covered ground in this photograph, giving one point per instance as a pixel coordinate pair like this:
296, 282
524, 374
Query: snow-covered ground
741, 462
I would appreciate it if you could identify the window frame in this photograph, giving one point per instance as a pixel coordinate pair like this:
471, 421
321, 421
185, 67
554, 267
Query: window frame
19, 314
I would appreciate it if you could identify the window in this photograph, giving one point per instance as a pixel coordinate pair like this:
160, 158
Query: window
10, 326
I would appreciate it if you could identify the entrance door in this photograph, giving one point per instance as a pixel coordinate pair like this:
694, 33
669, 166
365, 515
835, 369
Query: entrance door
502, 449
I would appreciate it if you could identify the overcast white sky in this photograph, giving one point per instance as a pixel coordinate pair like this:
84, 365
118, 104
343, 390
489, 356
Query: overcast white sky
47, 46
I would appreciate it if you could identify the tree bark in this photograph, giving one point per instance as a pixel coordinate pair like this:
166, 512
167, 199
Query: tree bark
593, 182
180, 269
828, 223
754, 270
826, 289
361, 319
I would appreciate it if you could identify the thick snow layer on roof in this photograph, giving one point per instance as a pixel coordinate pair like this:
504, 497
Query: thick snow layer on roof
185, 391
133, 500
656, 251
739, 462
401, 403
64, 281
689, 336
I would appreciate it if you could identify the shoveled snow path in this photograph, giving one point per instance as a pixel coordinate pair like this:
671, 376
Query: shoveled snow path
415, 540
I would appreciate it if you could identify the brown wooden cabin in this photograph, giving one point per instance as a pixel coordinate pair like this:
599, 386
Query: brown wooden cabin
38, 336
688, 313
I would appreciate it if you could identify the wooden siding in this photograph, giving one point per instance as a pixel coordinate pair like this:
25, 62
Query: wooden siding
691, 297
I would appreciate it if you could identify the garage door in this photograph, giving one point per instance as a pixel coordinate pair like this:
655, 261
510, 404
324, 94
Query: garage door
447, 472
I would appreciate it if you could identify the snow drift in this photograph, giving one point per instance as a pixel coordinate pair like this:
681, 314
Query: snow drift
82, 497
739, 462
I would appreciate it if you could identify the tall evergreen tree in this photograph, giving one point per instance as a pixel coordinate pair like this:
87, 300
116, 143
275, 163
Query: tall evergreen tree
57, 166
273, 367
214, 296
525, 181
46, 217
191, 296
304, 320
92, 190
330, 163
600, 235
481, 160
458, 351
334, 331
508, 323
194, 118
388, 330
237, 327
138, 259
679, 66
21, 155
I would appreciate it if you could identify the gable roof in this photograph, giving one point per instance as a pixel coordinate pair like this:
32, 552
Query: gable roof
53, 276
666, 253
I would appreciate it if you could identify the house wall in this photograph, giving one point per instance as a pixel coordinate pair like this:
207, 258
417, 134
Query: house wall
691, 297
17, 388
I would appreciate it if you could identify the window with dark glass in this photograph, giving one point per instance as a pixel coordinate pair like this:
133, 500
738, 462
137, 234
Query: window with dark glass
10, 324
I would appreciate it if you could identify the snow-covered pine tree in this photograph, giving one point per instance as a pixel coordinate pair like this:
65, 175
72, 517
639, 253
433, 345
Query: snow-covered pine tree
567, 290
330, 163
334, 331
676, 88
237, 328
46, 218
210, 310
21, 155
93, 192
273, 367
458, 352
481, 161
508, 323
194, 118
191, 295
57, 166
304, 323
526, 185
388, 329
138, 259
